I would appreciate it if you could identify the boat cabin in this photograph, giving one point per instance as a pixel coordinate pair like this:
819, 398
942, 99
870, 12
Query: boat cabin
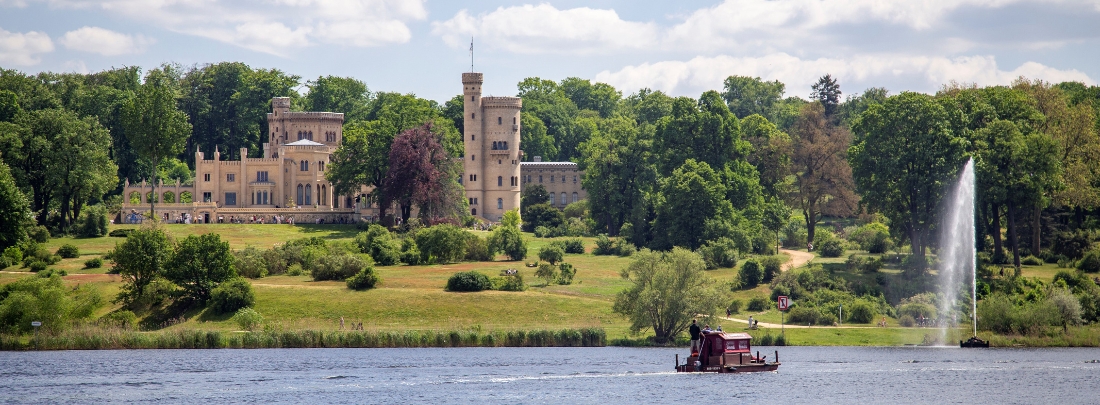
726, 352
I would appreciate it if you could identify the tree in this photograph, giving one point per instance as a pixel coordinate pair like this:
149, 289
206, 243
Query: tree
444, 243
821, 172
155, 126
776, 216
827, 92
139, 260
691, 195
199, 264
338, 94
668, 290
705, 131
600, 97
750, 95
904, 156
618, 174
506, 238
552, 254
15, 212
535, 140
422, 173
542, 215
771, 154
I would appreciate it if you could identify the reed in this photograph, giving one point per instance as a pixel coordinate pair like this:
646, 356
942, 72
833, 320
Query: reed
99, 338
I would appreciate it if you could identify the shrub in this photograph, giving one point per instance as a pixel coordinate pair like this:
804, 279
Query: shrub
120, 233
604, 245
5, 262
508, 239
916, 310
803, 314
380, 244
231, 296
477, 249
121, 319
512, 282
566, 272
363, 280
832, 248
624, 248
758, 304
907, 321
93, 263
552, 254
861, 312
546, 272
750, 274
1090, 263
410, 254
543, 232
1071, 244
772, 265
248, 318
250, 263
50, 272
574, 245
37, 266
14, 254
721, 252
338, 267
93, 221
468, 281
38, 233
441, 244
873, 237
734, 306
295, 270
1031, 261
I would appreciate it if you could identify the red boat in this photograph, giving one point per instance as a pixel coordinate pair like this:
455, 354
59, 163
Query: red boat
722, 352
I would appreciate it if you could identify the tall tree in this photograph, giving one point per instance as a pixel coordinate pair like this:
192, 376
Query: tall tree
771, 153
141, 259
338, 94
705, 131
422, 173
827, 92
750, 95
618, 174
667, 291
15, 211
904, 156
822, 176
693, 194
155, 126
199, 264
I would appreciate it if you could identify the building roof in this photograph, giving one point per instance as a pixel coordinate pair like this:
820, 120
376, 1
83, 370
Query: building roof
547, 163
304, 142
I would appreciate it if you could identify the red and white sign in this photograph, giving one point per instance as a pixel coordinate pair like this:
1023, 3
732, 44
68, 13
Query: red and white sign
783, 302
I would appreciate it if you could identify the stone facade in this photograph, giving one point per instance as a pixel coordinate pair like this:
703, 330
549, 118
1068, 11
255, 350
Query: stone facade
562, 180
287, 181
491, 164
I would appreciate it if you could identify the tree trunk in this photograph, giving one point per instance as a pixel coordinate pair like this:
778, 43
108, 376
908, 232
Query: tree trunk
1012, 237
811, 222
406, 212
995, 229
1036, 231
153, 183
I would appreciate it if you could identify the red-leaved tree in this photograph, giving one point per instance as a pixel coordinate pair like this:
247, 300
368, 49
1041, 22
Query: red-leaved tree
423, 174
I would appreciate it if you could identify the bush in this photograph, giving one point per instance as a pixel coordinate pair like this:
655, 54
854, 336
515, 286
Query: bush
873, 237
295, 270
604, 245
734, 306
916, 310
508, 239
574, 245
410, 254
831, 248
250, 263
772, 265
806, 315
363, 280
1091, 262
477, 249
68, 251
512, 282
468, 281
441, 244
380, 244
38, 233
750, 274
14, 254
232, 295
1031, 261
758, 304
248, 319
552, 254
338, 267
566, 272
37, 266
1071, 244
907, 321
121, 233
546, 272
93, 263
861, 312
543, 232
721, 252
50, 272
121, 319
93, 221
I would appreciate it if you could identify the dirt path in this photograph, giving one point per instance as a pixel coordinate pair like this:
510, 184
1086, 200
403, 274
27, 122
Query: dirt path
777, 326
798, 259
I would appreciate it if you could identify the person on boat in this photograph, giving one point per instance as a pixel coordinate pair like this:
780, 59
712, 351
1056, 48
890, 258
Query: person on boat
707, 329
719, 328
694, 332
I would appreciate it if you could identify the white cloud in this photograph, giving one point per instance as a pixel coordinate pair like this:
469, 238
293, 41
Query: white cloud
104, 42
75, 66
545, 29
22, 49
704, 73
272, 26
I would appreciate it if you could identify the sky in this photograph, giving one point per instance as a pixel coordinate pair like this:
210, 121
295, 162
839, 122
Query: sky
682, 47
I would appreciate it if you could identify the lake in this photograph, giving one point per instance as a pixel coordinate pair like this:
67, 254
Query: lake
611, 375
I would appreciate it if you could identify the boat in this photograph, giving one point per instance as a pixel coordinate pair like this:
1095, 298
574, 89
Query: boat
973, 342
725, 352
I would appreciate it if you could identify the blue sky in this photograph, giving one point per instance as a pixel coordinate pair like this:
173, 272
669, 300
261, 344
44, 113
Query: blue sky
683, 47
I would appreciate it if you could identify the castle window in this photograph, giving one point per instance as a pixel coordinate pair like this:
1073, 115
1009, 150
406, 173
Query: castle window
310, 135
540, 179
206, 197
500, 181
230, 198
500, 121
498, 161
309, 194
563, 200
301, 194
304, 166
551, 198
551, 178
473, 157
206, 177
261, 176
473, 115
230, 177
266, 200
473, 211
575, 197
574, 179
500, 203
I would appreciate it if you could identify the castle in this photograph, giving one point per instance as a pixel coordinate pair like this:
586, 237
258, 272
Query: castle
288, 181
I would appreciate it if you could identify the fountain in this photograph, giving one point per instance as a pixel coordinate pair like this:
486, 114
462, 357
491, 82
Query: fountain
958, 257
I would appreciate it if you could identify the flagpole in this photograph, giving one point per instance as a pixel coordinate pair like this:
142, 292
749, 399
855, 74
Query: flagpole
471, 54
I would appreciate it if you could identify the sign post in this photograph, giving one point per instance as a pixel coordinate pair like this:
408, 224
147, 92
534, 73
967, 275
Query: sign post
783, 303
36, 324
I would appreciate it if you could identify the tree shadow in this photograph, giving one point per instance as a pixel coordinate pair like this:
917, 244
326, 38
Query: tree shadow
335, 231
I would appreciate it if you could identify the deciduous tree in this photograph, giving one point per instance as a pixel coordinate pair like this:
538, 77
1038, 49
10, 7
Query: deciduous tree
822, 176
199, 264
155, 126
667, 291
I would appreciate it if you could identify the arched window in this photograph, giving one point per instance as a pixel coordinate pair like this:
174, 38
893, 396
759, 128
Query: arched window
311, 135
563, 200
575, 197
301, 194
473, 157
303, 166
473, 211
500, 181
551, 198
322, 197
309, 194
500, 203
513, 120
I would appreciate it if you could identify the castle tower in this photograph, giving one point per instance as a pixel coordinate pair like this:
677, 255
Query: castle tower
491, 140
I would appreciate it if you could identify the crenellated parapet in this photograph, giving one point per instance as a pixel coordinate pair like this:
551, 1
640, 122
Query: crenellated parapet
502, 102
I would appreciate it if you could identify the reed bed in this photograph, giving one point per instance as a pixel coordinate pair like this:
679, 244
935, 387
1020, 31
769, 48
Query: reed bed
95, 338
